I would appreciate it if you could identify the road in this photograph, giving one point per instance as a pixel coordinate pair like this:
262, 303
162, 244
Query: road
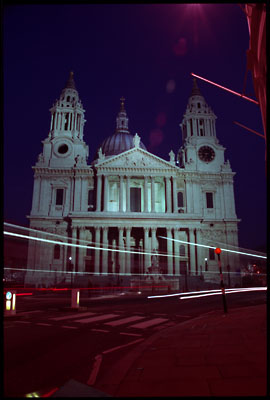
46, 344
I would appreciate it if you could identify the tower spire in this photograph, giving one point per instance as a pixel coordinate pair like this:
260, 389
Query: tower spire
70, 82
195, 90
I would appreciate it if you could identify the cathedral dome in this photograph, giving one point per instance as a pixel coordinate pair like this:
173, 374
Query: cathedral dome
118, 143
121, 140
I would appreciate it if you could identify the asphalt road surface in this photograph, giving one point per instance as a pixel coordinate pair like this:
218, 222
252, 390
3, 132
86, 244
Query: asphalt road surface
46, 343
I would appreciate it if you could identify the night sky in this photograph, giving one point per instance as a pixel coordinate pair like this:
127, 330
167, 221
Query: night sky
144, 52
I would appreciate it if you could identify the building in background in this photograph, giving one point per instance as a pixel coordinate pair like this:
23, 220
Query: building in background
129, 207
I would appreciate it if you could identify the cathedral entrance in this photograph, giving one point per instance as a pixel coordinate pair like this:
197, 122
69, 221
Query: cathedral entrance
136, 259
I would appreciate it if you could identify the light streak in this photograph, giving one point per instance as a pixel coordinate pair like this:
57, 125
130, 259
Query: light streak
228, 90
208, 292
220, 292
251, 130
88, 247
212, 247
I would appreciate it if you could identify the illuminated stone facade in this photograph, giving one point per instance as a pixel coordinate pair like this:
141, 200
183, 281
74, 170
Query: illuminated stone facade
129, 199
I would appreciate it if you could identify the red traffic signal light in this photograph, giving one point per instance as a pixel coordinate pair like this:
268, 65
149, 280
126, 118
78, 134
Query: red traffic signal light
217, 250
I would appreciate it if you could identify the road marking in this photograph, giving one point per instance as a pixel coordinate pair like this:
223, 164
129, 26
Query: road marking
146, 324
43, 324
159, 314
120, 347
184, 316
69, 327
23, 322
100, 330
124, 320
30, 312
98, 318
95, 369
72, 316
130, 334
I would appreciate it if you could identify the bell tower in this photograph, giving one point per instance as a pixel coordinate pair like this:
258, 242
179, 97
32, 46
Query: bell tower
64, 145
201, 150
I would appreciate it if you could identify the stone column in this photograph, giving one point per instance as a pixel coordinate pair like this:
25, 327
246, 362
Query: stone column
146, 194
188, 127
121, 247
176, 252
128, 194
99, 186
36, 191
73, 248
121, 194
147, 257
192, 251
106, 190
154, 239
128, 231
105, 252
168, 195
175, 207
82, 250
114, 258
153, 194
170, 251
97, 251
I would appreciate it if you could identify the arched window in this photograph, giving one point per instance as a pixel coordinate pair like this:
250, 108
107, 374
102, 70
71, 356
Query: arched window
68, 98
56, 253
182, 250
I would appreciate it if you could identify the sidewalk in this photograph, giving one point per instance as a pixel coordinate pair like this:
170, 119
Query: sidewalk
212, 355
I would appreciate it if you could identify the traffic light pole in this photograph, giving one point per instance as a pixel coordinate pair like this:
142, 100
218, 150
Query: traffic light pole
218, 251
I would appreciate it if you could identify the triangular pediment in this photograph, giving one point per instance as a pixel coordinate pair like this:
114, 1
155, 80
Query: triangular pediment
136, 158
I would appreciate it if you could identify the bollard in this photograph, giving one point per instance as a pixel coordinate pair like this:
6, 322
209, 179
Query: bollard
75, 298
10, 308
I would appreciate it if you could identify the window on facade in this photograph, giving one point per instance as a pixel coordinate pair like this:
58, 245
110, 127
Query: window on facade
180, 199
199, 105
211, 254
59, 197
209, 200
90, 199
56, 253
182, 250
68, 98
135, 199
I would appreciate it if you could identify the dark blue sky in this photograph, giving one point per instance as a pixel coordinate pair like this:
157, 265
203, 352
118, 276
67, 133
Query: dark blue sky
144, 52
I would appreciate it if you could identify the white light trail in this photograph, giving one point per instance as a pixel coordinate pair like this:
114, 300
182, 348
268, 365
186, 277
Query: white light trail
212, 247
201, 293
87, 246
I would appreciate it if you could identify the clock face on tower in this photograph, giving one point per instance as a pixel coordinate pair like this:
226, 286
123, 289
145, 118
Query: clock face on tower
206, 153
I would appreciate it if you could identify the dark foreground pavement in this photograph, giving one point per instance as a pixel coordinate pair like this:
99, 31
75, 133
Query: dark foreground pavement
213, 355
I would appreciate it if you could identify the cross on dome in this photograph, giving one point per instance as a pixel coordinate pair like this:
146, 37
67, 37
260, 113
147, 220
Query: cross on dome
122, 103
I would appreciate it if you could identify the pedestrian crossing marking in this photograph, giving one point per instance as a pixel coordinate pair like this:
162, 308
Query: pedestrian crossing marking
98, 318
146, 324
72, 316
124, 320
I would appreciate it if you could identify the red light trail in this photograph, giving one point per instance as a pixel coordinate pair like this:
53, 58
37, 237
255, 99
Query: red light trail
228, 90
